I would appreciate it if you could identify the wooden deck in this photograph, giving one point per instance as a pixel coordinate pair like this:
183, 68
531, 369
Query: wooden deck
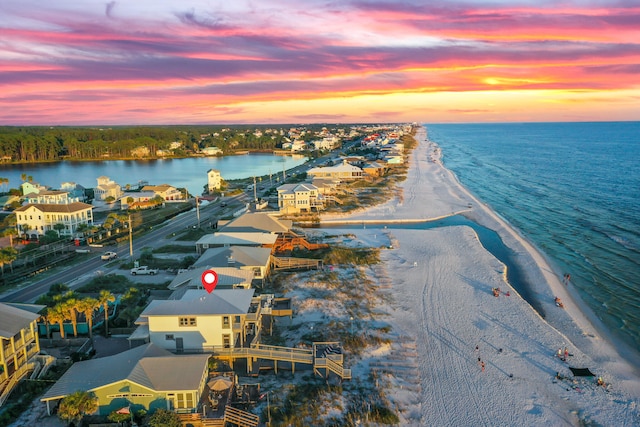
315, 357
290, 263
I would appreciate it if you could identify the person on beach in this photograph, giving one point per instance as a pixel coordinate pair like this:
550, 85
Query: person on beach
566, 354
560, 353
481, 366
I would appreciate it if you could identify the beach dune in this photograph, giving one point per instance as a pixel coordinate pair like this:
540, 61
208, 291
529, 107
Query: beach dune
474, 355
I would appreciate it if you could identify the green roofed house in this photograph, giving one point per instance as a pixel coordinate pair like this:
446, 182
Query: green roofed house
146, 377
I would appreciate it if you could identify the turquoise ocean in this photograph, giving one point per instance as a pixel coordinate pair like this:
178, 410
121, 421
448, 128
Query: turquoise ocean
571, 189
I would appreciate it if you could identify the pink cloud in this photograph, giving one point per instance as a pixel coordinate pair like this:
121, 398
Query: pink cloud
100, 61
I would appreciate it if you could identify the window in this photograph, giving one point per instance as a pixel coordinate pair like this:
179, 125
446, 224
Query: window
189, 400
169, 337
187, 321
225, 322
226, 341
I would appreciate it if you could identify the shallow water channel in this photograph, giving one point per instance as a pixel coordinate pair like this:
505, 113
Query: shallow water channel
489, 239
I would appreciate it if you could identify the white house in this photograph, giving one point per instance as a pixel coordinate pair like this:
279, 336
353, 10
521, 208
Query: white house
344, 171
211, 151
53, 197
301, 197
250, 258
107, 188
166, 191
214, 180
36, 219
224, 318
266, 240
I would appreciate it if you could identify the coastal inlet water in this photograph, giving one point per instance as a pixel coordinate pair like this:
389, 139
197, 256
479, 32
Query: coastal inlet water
489, 239
573, 190
189, 173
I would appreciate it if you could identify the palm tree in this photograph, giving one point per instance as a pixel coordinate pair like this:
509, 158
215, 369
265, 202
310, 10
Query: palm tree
59, 227
7, 256
70, 307
55, 314
76, 405
25, 228
104, 299
87, 306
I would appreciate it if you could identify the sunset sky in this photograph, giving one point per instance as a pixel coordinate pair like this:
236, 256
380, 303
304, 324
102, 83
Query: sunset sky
87, 62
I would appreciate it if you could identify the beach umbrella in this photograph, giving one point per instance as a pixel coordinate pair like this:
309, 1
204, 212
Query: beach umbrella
219, 383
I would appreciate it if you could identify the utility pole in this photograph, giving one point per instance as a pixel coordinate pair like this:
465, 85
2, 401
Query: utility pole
130, 237
198, 211
255, 190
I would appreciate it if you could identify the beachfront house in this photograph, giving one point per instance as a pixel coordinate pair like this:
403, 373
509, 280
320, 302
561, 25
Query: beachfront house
36, 219
344, 171
214, 240
301, 197
202, 321
228, 277
19, 344
106, 188
214, 180
255, 222
146, 377
256, 260
374, 169
166, 191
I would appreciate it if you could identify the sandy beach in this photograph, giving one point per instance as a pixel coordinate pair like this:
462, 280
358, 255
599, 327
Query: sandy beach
471, 358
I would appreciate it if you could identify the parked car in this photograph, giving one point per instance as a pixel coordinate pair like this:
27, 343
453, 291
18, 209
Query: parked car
107, 256
143, 269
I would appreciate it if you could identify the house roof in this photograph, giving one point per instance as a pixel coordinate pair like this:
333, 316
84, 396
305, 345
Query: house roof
50, 207
341, 168
14, 317
238, 239
199, 302
294, 188
234, 256
161, 187
257, 222
148, 365
228, 277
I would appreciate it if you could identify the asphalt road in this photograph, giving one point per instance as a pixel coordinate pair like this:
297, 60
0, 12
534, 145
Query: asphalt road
76, 275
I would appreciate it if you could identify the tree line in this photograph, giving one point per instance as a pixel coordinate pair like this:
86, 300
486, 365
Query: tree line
45, 144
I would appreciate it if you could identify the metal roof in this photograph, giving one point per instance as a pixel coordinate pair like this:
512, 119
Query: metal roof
257, 222
148, 365
199, 302
13, 319
238, 256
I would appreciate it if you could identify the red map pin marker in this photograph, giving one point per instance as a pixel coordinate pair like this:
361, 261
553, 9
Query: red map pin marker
209, 280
